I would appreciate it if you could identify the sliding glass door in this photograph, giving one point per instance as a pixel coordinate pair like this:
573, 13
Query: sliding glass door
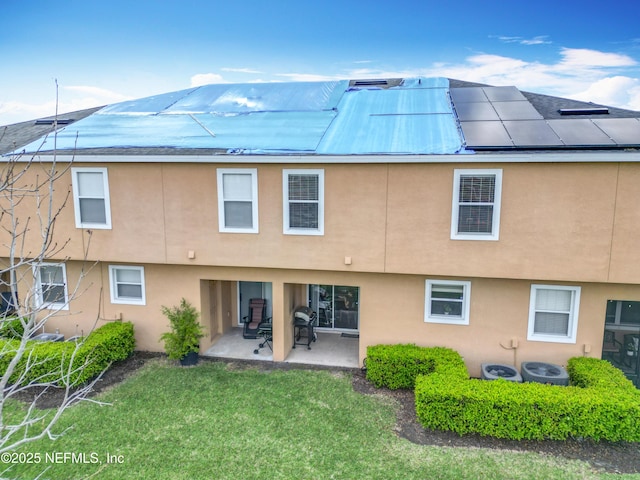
337, 306
621, 344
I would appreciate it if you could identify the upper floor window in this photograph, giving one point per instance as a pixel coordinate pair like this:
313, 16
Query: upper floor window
553, 313
303, 201
51, 286
127, 284
476, 204
91, 197
238, 200
447, 302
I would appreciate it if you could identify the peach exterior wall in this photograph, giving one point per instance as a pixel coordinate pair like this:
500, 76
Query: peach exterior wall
559, 221
391, 310
572, 223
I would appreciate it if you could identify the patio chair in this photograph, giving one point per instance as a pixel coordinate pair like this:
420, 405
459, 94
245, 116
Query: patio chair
257, 315
611, 347
265, 331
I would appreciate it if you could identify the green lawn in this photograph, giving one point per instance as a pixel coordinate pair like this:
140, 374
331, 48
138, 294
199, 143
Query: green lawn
211, 422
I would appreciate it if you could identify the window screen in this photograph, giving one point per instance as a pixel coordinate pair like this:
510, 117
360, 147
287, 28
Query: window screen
303, 201
91, 198
553, 314
127, 284
476, 198
238, 200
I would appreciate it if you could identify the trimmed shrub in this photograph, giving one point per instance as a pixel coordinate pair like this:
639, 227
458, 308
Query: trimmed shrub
601, 404
397, 366
51, 362
589, 372
11, 327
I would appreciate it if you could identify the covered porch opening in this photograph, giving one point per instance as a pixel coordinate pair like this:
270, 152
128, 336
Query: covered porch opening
621, 340
225, 303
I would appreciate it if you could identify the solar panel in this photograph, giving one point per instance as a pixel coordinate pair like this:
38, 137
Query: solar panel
517, 110
485, 134
468, 94
579, 132
623, 131
503, 94
476, 111
532, 133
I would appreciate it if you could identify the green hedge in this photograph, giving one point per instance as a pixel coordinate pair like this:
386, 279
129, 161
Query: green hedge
397, 366
11, 327
49, 362
601, 404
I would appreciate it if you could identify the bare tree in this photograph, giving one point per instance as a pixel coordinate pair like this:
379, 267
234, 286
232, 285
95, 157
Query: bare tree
30, 208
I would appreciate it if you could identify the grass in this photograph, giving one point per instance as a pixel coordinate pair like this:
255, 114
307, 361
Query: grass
210, 421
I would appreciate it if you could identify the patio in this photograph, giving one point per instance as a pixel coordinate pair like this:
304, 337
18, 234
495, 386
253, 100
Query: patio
331, 349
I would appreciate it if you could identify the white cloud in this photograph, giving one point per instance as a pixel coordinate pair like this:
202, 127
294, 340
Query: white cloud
70, 99
585, 58
14, 112
585, 74
619, 91
96, 92
538, 40
308, 77
200, 79
241, 70
582, 74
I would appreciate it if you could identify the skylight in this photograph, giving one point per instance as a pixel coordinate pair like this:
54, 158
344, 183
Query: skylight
51, 121
584, 111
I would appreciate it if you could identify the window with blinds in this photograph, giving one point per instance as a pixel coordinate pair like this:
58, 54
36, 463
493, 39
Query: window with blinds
127, 284
303, 199
91, 198
52, 286
238, 200
553, 314
476, 204
447, 301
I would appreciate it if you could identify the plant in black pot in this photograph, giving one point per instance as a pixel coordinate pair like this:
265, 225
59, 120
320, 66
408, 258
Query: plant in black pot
183, 341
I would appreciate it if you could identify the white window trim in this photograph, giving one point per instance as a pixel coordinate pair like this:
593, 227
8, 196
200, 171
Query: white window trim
573, 315
113, 286
40, 297
254, 199
463, 319
285, 202
455, 211
76, 198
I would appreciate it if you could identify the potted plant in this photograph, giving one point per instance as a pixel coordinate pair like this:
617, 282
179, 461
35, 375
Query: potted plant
631, 349
183, 341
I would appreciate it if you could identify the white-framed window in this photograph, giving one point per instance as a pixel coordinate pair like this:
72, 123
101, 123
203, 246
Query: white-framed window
238, 200
51, 286
553, 313
303, 202
447, 301
127, 284
475, 212
91, 198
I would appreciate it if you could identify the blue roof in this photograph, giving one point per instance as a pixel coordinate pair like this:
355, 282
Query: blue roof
326, 118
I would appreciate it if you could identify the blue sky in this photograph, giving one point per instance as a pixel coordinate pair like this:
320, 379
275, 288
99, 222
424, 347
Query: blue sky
109, 51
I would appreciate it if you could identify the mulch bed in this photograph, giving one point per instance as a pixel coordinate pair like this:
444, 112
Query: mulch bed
619, 457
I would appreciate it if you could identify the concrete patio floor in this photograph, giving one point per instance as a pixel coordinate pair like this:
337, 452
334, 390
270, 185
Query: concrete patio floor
330, 349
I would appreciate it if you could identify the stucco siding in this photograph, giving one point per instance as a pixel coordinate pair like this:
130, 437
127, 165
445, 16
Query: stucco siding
391, 310
568, 222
